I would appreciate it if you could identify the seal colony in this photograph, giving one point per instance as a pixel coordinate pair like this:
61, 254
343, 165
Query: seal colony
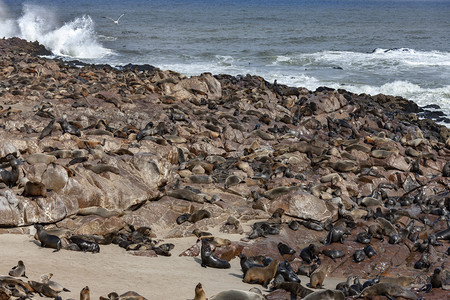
319, 183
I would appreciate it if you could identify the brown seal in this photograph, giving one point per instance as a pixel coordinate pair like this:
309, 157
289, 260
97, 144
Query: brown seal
85, 293
199, 292
34, 189
261, 275
387, 289
317, 278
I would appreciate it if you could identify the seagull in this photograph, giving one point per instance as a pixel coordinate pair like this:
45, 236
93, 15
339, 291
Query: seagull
115, 21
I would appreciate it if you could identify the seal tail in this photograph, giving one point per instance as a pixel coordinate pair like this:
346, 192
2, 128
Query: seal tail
66, 290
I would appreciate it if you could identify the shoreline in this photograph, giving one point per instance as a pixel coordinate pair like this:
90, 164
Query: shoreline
117, 154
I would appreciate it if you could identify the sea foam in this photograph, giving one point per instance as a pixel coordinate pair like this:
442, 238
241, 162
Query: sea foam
74, 39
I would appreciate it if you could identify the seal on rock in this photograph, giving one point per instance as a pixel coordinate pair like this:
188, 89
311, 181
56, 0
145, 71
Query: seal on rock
209, 260
34, 189
336, 234
261, 275
47, 240
333, 253
294, 288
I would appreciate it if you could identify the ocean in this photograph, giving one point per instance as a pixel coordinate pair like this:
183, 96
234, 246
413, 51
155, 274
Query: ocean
399, 48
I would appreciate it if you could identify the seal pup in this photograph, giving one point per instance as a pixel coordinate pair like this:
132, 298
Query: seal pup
387, 289
47, 130
47, 240
85, 245
359, 255
261, 275
310, 253
199, 292
316, 279
34, 189
18, 271
285, 249
333, 253
326, 295
336, 234
209, 260
85, 293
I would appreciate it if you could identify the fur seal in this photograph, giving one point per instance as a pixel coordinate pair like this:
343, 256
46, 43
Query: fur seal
209, 260
295, 288
387, 289
446, 170
47, 130
47, 240
307, 270
85, 246
164, 249
45, 279
285, 269
199, 292
333, 253
359, 256
261, 275
18, 271
237, 295
310, 253
369, 251
199, 215
10, 177
294, 225
34, 189
443, 234
85, 293
325, 295
436, 279
43, 289
364, 237
285, 249
247, 263
336, 234
317, 278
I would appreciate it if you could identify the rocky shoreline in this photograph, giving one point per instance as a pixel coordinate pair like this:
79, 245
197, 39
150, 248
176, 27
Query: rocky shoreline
106, 154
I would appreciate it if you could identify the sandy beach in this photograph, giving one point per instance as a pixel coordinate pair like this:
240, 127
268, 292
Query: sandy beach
113, 269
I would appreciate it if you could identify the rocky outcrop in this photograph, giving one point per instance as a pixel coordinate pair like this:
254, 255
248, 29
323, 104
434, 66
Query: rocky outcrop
140, 147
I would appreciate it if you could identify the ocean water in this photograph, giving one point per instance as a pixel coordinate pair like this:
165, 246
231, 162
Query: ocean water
399, 47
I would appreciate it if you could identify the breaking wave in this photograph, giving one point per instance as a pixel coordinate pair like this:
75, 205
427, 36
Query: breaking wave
75, 39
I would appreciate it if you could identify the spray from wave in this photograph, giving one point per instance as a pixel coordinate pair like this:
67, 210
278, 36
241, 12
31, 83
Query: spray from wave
75, 39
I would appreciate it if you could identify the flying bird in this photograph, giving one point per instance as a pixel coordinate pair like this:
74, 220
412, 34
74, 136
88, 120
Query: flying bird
115, 21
